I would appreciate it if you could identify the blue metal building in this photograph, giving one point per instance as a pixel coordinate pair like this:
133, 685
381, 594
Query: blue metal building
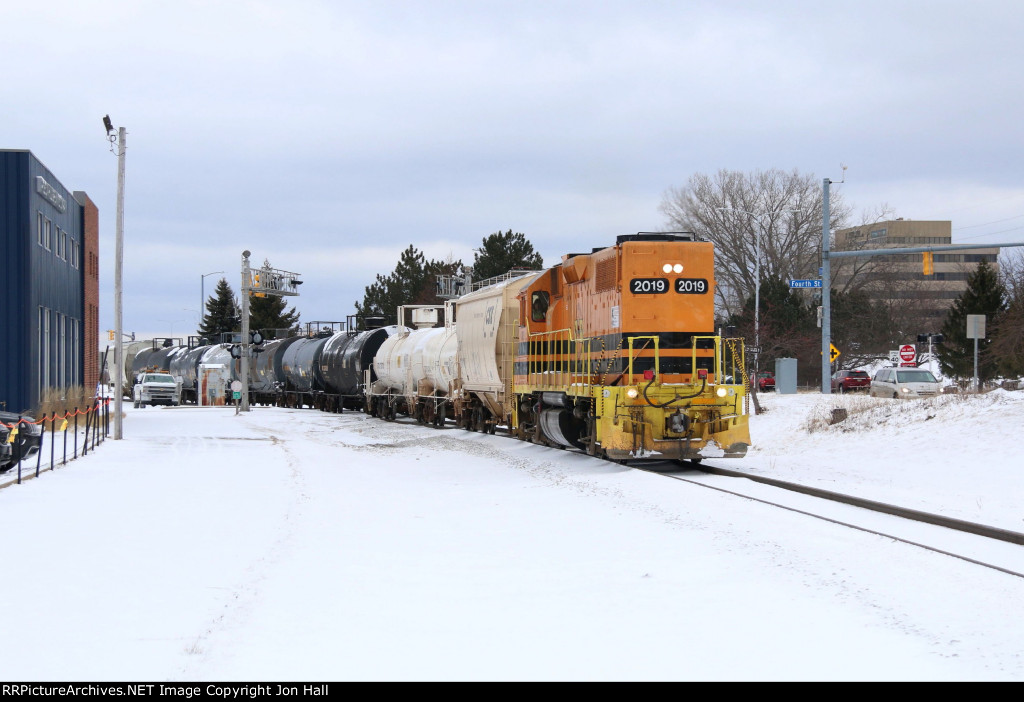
48, 283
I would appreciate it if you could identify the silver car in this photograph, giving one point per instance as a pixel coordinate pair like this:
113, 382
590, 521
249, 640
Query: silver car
904, 383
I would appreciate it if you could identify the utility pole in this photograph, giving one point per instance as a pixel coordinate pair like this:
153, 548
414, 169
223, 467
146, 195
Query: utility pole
119, 256
826, 289
826, 297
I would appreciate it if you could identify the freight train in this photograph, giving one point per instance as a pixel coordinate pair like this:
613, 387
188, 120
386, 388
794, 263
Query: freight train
612, 352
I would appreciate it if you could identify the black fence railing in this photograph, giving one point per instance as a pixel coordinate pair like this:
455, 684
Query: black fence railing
62, 437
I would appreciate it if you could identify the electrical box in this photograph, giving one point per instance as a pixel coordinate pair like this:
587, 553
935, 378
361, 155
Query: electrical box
785, 376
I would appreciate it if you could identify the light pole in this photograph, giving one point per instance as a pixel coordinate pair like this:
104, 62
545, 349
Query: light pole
202, 295
244, 371
757, 284
117, 146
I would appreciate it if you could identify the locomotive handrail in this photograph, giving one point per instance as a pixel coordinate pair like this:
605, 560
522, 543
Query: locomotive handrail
548, 365
657, 354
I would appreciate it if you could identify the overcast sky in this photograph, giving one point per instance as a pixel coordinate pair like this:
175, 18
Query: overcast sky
326, 137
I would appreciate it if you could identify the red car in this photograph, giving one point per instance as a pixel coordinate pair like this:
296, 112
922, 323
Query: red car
850, 381
765, 381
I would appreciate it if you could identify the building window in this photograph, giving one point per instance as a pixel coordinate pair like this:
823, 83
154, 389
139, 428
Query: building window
74, 254
879, 233
59, 348
39, 228
76, 362
44, 350
46, 234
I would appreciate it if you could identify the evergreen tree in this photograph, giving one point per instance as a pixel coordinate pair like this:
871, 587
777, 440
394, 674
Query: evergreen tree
413, 282
985, 294
861, 328
268, 312
222, 313
501, 253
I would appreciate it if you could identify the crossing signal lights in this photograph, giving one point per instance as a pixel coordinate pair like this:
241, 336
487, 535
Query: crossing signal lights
927, 262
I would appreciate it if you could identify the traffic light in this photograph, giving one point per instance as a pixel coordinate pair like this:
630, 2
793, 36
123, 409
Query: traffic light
110, 333
927, 263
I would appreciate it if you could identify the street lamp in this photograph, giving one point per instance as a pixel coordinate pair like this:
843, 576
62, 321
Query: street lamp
757, 283
117, 147
202, 295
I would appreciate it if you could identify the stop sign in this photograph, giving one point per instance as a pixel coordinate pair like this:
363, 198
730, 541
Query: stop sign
908, 353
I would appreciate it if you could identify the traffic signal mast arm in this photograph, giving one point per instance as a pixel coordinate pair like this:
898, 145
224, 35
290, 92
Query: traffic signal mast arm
918, 249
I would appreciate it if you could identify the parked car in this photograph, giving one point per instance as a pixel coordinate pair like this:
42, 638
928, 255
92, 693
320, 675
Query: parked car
5, 448
850, 381
765, 381
26, 441
905, 383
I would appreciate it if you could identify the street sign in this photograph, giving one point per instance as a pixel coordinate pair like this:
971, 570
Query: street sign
754, 349
833, 353
236, 386
809, 283
894, 356
908, 353
975, 326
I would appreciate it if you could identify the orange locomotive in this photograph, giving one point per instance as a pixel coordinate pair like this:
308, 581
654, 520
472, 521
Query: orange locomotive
617, 355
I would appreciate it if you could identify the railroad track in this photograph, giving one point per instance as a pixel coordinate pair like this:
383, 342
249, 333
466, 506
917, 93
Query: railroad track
981, 544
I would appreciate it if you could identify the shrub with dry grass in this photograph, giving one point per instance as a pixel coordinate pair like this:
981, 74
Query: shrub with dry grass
64, 401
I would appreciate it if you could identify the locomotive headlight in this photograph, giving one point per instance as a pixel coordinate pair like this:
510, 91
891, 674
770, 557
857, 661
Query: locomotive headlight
678, 268
722, 392
667, 268
632, 393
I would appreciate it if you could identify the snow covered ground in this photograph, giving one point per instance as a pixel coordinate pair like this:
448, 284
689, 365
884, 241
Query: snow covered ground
294, 545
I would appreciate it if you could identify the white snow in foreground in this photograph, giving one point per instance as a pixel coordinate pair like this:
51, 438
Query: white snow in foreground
294, 545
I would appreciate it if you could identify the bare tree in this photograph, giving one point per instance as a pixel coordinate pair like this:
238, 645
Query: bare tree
734, 209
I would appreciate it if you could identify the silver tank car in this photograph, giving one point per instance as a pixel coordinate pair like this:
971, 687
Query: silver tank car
266, 372
299, 370
485, 323
184, 366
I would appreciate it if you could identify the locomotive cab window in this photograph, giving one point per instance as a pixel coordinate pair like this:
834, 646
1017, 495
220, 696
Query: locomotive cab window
539, 306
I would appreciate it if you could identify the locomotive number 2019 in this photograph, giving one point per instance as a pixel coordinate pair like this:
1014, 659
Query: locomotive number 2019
643, 286
691, 286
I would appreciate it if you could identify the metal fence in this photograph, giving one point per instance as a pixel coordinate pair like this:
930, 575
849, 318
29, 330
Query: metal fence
62, 438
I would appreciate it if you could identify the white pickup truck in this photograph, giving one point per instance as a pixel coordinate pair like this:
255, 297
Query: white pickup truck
156, 388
